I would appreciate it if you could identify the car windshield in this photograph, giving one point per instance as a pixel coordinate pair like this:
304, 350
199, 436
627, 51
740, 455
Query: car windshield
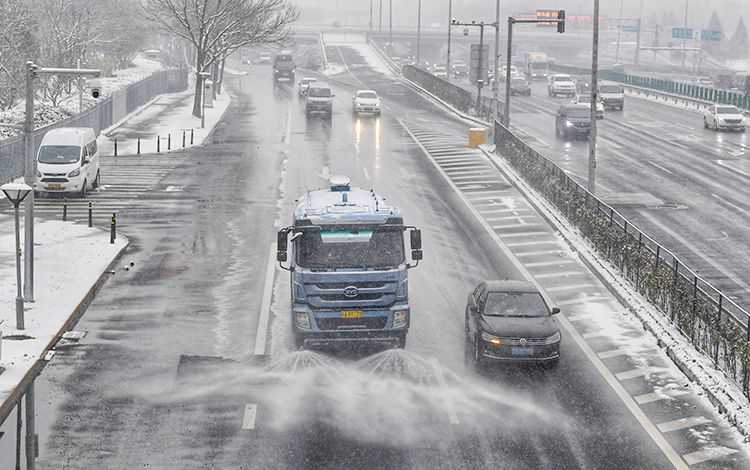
562, 79
61, 154
284, 58
350, 248
518, 81
611, 89
515, 304
368, 95
307, 81
727, 110
317, 92
584, 97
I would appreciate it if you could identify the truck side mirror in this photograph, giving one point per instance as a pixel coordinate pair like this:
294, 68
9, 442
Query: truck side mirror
416, 255
415, 239
282, 245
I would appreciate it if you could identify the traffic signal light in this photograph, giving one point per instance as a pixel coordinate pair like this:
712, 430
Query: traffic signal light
561, 23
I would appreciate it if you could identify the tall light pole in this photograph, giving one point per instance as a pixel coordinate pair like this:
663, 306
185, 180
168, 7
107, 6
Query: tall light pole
16, 193
496, 85
419, 30
619, 35
390, 23
380, 17
448, 61
684, 41
32, 72
371, 15
594, 96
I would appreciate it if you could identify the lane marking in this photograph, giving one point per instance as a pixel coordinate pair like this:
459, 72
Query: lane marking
595, 334
537, 253
682, 423
673, 457
711, 453
635, 373
612, 353
265, 305
666, 170
660, 395
524, 234
248, 418
561, 274
543, 242
732, 205
557, 262
583, 317
584, 300
572, 287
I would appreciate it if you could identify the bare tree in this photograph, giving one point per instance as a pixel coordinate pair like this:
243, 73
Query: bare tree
217, 28
17, 42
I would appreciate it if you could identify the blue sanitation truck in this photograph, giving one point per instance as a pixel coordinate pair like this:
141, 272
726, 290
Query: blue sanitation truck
349, 269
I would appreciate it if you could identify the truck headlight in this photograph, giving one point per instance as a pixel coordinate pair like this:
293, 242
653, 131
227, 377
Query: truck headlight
400, 318
568, 124
553, 339
302, 320
38, 174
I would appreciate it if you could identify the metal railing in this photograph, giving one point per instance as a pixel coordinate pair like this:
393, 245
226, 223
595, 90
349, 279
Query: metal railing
713, 323
105, 113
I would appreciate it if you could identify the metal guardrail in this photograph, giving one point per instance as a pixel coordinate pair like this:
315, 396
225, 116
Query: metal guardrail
695, 93
106, 112
715, 324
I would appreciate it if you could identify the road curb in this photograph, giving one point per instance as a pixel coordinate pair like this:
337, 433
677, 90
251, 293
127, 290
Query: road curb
36, 369
666, 336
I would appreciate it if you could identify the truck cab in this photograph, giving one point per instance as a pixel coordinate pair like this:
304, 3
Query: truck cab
349, 270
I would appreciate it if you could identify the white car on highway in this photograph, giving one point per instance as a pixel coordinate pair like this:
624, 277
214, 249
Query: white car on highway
366, 102
585, 98
561, 84
304, 85
724, 117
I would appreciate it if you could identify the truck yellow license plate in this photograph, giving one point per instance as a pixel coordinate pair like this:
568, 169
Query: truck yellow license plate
351, 314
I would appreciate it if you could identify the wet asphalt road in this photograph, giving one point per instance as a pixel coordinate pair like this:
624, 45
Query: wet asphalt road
165, 374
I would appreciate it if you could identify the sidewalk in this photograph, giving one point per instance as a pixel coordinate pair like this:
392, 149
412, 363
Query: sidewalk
167, 117
70, 259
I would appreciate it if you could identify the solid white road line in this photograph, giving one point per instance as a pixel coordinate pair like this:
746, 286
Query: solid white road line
543, 242
682, 423
248, 418
594, 334
584, 300
265, 305
571, 287
705, 455
633, 373
560, 274
557, 262
665, 394
524, 234
612, 353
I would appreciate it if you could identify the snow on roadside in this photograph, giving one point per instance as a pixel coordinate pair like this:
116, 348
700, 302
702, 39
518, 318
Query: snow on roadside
721, 391
69, 259
46, 114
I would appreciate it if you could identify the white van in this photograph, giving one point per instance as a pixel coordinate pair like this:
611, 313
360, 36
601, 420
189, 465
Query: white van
68, 161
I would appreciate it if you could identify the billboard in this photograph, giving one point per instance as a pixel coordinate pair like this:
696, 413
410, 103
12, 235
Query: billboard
475, 73
547, 14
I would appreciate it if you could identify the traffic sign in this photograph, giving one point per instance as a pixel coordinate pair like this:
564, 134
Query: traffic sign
682, 33
631, 28
475, 73
707, 35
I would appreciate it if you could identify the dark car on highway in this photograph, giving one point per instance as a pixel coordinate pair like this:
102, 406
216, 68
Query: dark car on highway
511, 321
520, 86
573, 120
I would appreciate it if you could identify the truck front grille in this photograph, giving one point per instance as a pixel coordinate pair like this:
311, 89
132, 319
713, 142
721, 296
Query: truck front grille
343, 298
365, 323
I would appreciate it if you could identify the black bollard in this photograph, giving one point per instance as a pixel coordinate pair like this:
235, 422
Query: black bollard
115, 146
183, 139
191, 136
139, 146
169, 141
91, 214
113, 229
65, 210
158, 144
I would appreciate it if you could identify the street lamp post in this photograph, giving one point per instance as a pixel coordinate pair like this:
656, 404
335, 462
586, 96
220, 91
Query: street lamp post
480, 62
594, 96
32, 72
16, 193
419, 30
448, 60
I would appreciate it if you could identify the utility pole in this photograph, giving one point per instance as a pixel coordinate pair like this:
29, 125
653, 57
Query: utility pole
506, 111
419, 30
496, 85
380, 17
30, 428
684, 41
619, 35
80, 89
371, 15
448, 61
594, 96
636, 60
480, 65
390, 24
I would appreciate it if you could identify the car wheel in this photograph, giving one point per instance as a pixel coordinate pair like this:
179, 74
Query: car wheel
97, 180
82, 194
705, 123
477, 353
552, 364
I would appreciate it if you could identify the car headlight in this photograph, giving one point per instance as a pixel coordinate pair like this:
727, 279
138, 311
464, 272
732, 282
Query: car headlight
568, 124
492, 339
553, 339
74, 173
400, 318
38, 174
302, 320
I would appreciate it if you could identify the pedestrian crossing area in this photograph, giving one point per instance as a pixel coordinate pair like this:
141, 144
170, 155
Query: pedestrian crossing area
130, 186
658, 390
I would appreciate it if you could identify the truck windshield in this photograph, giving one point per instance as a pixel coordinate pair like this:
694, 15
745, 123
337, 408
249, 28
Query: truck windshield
611, 89
350, 248
59, 154
317, 92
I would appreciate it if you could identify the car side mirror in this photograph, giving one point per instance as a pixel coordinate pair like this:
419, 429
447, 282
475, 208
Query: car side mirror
555, 310
85, 161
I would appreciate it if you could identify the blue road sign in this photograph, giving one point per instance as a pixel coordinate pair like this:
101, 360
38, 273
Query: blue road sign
682, 33
707, 35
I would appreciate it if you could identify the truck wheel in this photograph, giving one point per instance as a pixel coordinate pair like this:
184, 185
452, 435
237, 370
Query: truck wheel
299, 342
401, 341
